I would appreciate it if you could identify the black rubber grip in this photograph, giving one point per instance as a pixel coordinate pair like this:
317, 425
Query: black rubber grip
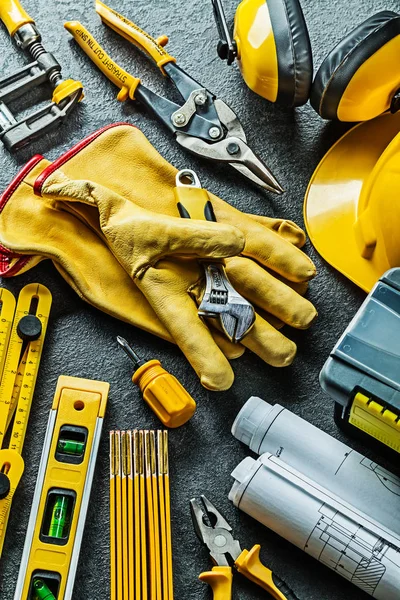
209, 212
5, 486
182, 211
284, 588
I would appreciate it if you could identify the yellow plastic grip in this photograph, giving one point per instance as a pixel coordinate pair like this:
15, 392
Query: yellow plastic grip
249, 565
220, 581
165, 395
126, 82
13, 465
13, 15
193, 200
135, 35
66, 89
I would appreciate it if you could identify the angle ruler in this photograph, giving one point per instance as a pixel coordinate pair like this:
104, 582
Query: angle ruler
22, 333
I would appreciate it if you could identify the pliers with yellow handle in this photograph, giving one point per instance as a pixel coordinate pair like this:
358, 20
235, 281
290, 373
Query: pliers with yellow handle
201, 123
216, 534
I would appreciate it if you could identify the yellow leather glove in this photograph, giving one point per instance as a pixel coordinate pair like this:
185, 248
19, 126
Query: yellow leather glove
153, 188
32, 229
268, 240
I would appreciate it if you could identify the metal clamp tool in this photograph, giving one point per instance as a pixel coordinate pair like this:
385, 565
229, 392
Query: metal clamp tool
216, 534
220, 301
45, 69
203, 124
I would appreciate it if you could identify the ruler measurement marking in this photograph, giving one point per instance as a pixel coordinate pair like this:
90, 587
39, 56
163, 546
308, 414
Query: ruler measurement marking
19, 365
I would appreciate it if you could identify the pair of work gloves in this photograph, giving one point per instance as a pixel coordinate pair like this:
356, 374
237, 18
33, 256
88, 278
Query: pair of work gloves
105, 214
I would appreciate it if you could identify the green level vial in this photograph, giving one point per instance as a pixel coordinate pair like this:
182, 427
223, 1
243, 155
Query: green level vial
59, 517
71, 447
42, 591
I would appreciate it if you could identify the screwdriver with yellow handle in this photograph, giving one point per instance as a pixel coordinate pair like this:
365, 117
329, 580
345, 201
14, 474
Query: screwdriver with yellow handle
216, 534
165, 395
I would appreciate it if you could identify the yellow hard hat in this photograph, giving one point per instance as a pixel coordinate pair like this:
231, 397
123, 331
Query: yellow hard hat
352, 204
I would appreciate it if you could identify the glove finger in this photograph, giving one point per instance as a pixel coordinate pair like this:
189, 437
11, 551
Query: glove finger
270, 344
230, 350
277, 323
286, 229
264, 290
265, 245
300, 287
203, 239
279, 255
138, 237
165, 287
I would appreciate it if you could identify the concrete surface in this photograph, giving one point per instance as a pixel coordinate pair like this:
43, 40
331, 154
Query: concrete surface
81, 340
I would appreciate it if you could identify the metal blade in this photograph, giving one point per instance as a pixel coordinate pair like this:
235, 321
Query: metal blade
266, 179
235, 152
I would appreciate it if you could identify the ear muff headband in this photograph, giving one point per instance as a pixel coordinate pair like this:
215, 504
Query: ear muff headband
337, 70
293, 48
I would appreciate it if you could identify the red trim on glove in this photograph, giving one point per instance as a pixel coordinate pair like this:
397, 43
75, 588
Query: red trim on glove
37, 188
15, 269
18, 178
6, 254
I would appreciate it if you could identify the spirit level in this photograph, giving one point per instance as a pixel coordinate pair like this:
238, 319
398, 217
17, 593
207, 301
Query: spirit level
64, 481
22, 333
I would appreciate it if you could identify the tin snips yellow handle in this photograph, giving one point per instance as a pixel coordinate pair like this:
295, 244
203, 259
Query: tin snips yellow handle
13, 15
121, 78
249, 565
220, 581
135, 35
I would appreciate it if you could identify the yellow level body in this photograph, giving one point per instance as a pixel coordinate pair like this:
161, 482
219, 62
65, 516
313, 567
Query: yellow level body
64, 482
19, 367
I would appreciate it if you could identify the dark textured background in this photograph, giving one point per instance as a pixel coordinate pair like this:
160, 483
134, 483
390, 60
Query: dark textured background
81, 340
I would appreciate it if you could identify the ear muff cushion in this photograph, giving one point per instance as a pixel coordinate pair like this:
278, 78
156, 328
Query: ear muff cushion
293, 48
342, 63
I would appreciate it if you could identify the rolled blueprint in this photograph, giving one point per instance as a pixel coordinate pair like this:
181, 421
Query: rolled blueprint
325, 498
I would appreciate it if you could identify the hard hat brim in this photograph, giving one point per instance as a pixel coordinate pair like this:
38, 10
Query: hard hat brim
330, 205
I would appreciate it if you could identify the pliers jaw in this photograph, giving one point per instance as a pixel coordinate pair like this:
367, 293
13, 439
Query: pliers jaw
231, 149
214, 532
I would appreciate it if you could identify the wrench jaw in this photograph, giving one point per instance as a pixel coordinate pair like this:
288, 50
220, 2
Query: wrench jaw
221, 301
241, 323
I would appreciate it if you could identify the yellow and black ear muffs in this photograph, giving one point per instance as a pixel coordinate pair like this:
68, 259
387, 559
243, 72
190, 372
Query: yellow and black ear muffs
271, 43
358, 80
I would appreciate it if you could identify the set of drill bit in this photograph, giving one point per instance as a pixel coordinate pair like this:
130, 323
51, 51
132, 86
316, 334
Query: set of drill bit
140, 516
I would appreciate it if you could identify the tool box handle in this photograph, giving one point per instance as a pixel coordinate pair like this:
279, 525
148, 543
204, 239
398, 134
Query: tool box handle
13, 15
131, 32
